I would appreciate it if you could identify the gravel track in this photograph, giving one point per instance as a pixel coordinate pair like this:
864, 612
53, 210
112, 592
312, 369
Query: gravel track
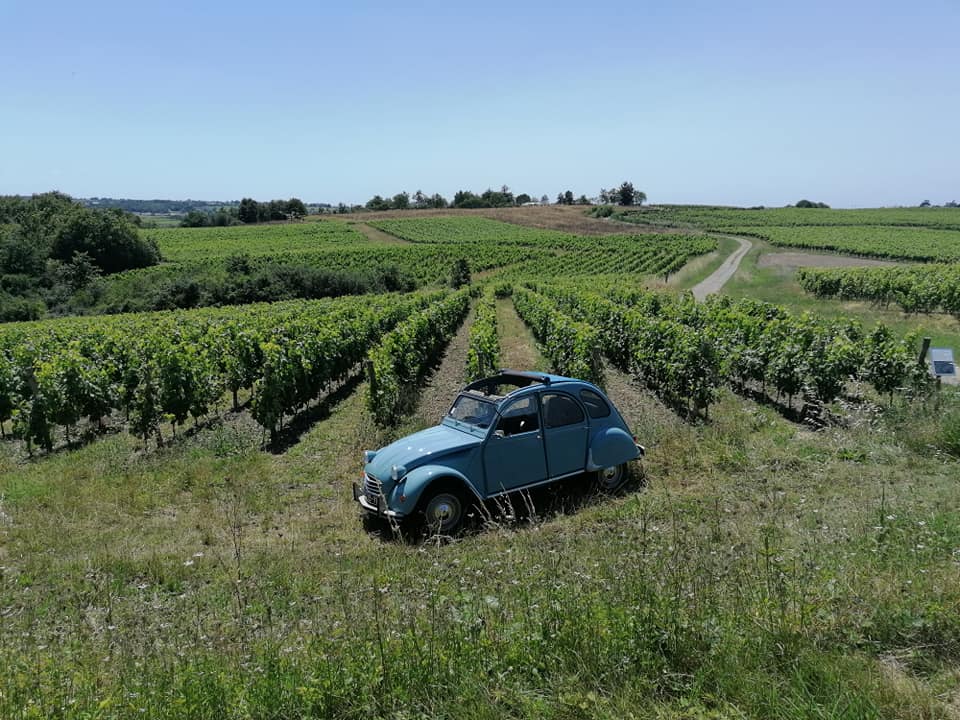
716, 280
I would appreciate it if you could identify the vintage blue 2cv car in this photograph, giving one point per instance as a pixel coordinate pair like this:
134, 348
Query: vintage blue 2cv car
503, 434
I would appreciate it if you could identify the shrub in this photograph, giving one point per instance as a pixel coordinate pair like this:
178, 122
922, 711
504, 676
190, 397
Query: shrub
949, 438
107, 237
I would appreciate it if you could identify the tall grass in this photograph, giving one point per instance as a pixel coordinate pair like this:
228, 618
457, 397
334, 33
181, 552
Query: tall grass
765, 572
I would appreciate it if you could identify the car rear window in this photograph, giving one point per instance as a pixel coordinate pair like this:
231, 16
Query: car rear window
596, 406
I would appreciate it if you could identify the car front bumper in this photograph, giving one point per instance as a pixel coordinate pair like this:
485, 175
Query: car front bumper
374, 506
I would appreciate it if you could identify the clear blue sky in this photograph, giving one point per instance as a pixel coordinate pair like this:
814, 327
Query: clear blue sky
852, 103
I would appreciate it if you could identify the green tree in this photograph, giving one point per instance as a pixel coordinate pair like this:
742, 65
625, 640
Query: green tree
401, 201
377, 203
249, 210
296, 209
195, 218
626, 195
107, 237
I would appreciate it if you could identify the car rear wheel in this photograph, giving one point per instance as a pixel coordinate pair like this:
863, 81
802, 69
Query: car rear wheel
444, 511
612, 478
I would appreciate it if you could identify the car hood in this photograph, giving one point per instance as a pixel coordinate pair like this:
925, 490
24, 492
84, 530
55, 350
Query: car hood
418, 449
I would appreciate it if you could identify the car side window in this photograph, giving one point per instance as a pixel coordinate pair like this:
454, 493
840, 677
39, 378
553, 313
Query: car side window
520, 417
596, 406
560, 410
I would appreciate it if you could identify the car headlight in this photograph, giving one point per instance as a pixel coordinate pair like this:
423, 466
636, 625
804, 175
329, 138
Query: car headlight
397, 472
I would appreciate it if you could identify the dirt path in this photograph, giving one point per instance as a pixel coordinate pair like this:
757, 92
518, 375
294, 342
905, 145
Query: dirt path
800, 259
518, 348
447, 380
719, 277
379, 236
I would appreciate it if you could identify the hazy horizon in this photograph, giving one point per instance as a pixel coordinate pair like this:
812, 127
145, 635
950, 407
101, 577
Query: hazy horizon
746, 104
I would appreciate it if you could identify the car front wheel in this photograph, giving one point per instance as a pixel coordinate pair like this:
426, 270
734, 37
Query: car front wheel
443, 512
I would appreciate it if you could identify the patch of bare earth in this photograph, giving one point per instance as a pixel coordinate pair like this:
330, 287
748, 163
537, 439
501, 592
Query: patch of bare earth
566, 218
796, 259
379, 236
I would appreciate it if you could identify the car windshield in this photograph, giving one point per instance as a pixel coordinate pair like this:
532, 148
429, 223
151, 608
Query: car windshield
473, 411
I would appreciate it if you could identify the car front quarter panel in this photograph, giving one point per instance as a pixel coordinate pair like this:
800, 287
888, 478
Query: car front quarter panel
405, 495
611, 446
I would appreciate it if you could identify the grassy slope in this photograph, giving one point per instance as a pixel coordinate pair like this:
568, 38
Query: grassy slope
764, 571
779, 285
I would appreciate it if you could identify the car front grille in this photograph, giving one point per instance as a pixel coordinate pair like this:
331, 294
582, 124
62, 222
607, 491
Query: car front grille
371, 488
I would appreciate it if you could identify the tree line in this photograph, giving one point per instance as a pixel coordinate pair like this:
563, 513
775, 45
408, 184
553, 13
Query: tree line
625, 194
51, 246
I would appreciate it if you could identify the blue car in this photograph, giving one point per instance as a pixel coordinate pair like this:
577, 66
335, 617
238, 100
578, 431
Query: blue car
513, 431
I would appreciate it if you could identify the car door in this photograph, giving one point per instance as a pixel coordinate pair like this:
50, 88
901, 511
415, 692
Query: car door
565, 433
513, 454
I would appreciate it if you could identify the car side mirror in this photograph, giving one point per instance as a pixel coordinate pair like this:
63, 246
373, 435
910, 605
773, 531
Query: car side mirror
499, 433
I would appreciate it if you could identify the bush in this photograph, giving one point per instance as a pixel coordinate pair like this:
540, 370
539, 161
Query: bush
107, 237
180, 293
949, 438
13, 309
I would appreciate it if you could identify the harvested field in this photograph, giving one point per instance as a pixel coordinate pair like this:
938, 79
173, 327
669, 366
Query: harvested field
566, 218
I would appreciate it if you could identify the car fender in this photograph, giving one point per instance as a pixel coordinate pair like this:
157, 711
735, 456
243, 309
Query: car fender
611, 446
407, 492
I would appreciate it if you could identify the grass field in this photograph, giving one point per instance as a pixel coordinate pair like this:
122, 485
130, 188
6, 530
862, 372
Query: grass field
763, 570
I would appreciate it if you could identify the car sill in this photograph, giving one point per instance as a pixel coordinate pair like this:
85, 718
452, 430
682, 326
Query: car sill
555, 478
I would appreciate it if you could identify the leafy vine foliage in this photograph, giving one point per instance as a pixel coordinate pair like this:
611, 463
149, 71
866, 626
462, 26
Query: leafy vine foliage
483, 350
919, 289
685, 351
403, 356
160, 368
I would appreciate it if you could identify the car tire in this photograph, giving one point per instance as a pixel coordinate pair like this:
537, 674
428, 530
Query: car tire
444, 510
612, 479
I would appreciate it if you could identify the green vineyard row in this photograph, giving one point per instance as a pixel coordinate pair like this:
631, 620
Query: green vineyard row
403, 356
728, 219
916, 289
165, 367
483, 348
572, 347
684, 351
